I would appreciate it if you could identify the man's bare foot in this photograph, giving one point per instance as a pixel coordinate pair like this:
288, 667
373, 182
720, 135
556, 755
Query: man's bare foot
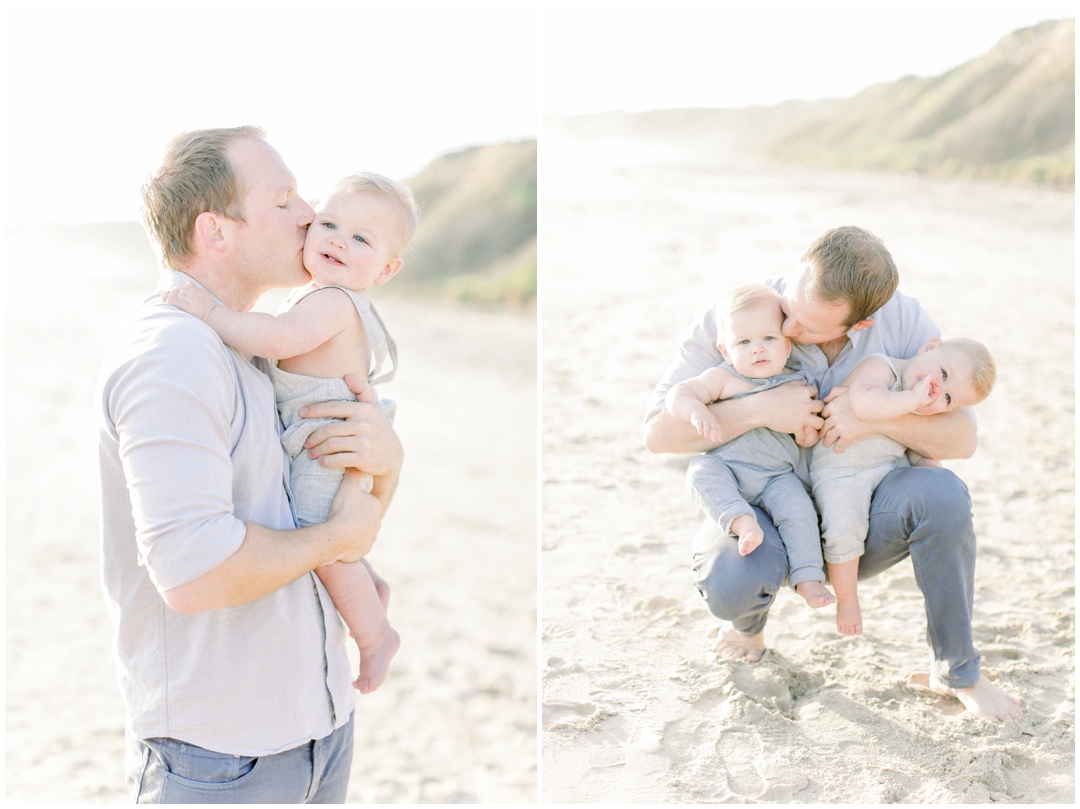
746, 528
375, 661
849, 617
815, 593
733, 644
984, 699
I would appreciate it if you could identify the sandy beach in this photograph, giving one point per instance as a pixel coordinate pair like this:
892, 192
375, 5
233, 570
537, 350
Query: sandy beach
637, 239
456, 720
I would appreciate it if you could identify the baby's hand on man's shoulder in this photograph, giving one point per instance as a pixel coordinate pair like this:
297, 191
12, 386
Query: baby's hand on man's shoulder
191, 299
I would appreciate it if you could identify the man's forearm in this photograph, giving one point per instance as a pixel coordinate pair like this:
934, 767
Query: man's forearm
266, 561
664, 433
941, 437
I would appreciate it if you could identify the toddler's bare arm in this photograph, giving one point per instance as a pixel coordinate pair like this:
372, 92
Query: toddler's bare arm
688, 401
299, 330
871, 396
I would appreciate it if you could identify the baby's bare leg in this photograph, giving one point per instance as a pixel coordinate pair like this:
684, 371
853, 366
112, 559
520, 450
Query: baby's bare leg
746, 528
361, 606
381, 587
844, 577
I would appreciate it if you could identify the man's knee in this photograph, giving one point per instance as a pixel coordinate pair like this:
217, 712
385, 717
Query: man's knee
734, 586
927, 496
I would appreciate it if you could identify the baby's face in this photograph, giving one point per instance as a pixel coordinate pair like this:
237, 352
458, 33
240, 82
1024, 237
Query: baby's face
953, 372
753, 342
353, 241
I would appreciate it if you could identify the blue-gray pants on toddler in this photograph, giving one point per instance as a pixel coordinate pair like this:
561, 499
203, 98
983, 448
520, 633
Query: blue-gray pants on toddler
758, 469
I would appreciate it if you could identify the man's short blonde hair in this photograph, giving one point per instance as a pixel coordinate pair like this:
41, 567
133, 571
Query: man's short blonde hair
395, 192
195, 176
983, 368
852, 265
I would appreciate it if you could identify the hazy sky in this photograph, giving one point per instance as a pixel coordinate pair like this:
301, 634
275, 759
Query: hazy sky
634, 57
95, 90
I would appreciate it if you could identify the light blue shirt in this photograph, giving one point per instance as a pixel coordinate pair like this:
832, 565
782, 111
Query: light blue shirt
189, 452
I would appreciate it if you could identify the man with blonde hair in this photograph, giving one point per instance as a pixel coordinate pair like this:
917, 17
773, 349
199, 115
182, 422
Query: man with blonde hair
230, 653
840, 306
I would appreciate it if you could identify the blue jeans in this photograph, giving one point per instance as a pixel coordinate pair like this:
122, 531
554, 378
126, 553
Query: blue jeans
171, 771
921, 512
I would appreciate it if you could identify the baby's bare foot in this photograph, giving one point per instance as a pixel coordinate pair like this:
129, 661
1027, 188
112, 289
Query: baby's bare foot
849, 617
375, 661
984, 699
815, 593
748, 531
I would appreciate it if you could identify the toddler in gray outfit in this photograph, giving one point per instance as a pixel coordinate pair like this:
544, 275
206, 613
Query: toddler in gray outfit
324, 331
758, 467
942, 376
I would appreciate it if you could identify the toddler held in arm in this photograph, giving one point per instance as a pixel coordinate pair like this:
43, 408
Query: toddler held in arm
758, 467
941, 377
324, 331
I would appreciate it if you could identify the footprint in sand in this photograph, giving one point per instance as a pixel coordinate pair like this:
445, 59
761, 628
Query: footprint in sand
572, 716
738, 751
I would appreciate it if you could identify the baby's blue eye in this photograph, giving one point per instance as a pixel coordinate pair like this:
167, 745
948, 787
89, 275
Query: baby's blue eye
944, 374
948, 399
330, 225
359, 238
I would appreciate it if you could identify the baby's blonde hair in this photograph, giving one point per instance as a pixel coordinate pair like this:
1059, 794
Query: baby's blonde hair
983, 369
740, 298
394, 192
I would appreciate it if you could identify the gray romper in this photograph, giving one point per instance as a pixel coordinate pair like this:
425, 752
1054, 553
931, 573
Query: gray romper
843, 484
314, 486
758, 469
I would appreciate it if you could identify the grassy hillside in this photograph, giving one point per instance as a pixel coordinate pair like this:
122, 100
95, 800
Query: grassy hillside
476, 241
1008, 115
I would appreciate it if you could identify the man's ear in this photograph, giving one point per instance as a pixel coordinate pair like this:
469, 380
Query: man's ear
862, 324
389, 271
209, 233
930, 346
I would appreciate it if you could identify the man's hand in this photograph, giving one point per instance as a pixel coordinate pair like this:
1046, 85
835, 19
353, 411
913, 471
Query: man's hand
357, 514
842, 428
792, 408
363, 439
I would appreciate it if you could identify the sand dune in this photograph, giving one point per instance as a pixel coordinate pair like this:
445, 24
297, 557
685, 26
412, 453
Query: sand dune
636, 241
456, 720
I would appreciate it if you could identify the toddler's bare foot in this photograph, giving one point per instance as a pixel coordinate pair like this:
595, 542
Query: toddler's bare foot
815, 593
731, 643
375, 661
748, 531
984, 699
849, 617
